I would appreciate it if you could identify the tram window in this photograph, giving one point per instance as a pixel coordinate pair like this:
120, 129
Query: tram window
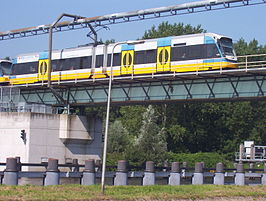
212, 51
85, 62
150, 56
55, 65
179, 54
116, 59
72, 63
76, 63
145, 56
5, 68
196, 52
15, 69
139, 57
32, 68
59, 65
64, 64
68, 64
99, 61
25, 68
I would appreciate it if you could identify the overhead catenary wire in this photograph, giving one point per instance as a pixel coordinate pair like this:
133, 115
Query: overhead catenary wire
115, 18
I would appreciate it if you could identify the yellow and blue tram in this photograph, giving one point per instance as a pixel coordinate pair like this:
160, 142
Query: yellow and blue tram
196, 52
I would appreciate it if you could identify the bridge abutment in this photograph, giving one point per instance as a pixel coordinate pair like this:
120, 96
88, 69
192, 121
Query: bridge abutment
35, 137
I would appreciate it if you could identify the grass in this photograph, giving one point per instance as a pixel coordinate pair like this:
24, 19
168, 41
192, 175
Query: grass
157, 192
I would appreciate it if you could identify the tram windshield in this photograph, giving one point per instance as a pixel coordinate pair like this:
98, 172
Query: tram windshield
5, 67
226, 46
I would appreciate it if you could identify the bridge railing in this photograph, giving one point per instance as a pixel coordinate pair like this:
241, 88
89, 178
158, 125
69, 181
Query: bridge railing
252, 61
245, 63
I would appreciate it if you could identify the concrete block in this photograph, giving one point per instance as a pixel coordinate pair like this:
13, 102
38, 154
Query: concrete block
174, 179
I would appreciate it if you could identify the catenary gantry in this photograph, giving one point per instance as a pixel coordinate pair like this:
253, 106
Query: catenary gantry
83, 22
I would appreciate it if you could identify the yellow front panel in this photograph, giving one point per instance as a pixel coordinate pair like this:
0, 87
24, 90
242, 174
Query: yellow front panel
164, 58
4, 79
127, 62
203, 66
43, 69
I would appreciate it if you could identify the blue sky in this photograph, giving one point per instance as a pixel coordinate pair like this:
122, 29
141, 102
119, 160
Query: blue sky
247, 22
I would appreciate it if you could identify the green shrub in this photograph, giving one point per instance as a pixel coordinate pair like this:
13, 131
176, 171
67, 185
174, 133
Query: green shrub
210, 159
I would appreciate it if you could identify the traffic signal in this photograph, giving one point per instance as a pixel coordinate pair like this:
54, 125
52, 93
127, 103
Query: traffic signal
23, 135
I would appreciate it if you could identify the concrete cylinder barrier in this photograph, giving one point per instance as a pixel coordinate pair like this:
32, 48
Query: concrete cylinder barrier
52, 173
89, 176
219, 174
121, 177
197, 178
11, 172
240, 175
174, 178
263, 178
149, 174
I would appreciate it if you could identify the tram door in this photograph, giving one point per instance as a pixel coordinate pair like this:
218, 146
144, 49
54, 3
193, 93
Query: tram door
127, 62
163, 58
43, 69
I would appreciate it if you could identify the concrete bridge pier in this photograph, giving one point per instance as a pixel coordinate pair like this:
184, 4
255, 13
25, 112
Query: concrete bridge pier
36, 137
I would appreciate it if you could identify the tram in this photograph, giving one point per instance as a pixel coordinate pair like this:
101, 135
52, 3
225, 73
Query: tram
187, 53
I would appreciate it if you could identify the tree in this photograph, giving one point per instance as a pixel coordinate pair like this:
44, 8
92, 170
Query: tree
118, 140
151, 143
252, 48
165, 29
131, 117
243, 48
176, 138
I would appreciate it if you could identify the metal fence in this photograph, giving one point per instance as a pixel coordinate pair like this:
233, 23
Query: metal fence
252, 61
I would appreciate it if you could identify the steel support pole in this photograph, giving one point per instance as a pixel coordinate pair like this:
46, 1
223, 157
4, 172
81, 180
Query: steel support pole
108, 110
107, 121
50, 45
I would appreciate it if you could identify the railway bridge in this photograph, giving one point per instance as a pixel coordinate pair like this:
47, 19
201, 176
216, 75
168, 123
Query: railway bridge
244, 83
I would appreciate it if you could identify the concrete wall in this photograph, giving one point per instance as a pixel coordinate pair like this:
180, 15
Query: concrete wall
11, 145
64, 137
